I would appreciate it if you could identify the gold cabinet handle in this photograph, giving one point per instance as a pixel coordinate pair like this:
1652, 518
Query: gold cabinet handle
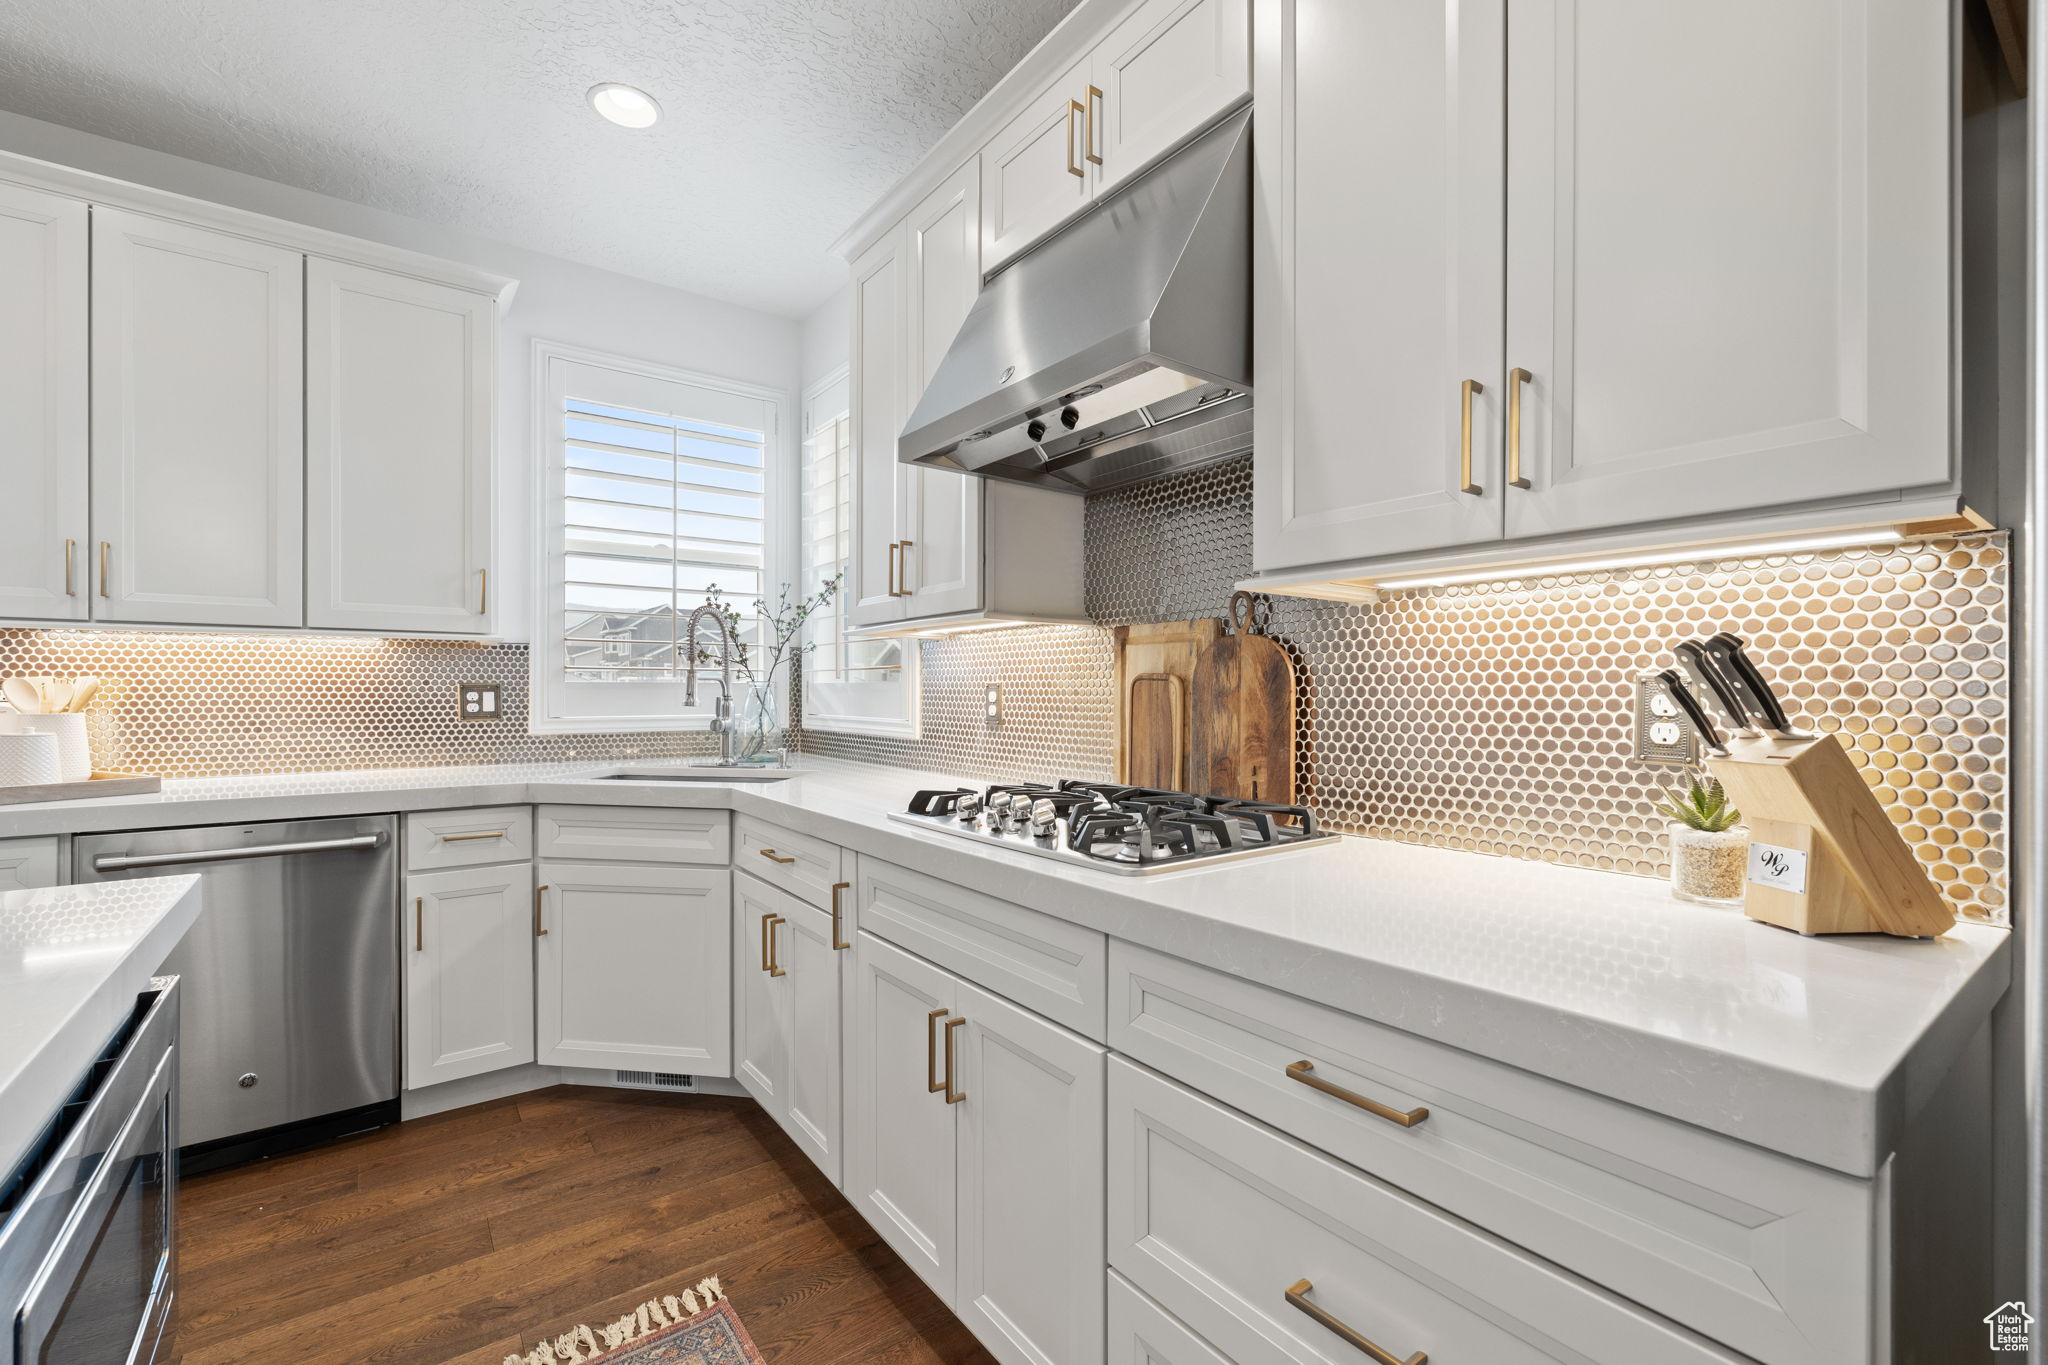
933, 1084
538, 892
838, 944
1088, 131
1465, 392
952, 1096
483, 592
1073, 165
774, 958
772, 856
903, 588
419, 924
1297, 1297
1303, 1072
105, 591
895, 563
480, 834
71, 568
1517, 377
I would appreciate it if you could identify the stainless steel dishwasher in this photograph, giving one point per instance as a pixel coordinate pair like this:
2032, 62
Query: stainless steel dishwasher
289, 978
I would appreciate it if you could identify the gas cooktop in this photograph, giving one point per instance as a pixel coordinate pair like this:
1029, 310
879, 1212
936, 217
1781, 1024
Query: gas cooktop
1115, 828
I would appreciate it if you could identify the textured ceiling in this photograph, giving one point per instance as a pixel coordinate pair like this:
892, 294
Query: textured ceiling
783, 119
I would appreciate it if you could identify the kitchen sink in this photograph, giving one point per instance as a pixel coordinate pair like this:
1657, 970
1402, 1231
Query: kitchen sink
704, 774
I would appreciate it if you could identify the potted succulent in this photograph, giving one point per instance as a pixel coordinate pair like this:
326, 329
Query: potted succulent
1709, 846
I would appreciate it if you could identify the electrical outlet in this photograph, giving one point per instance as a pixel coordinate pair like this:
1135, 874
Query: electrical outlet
992, 707
477, 701
1663, 734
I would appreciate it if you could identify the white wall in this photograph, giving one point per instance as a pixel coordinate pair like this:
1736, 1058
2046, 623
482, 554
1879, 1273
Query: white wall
827, 337
557, 299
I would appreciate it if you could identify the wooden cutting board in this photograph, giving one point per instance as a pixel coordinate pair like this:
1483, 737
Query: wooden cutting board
1171, 649
1241, 716
1158, 731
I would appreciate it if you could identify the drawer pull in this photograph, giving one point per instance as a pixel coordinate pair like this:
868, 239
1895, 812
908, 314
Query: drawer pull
952, 1096
933, 1084
539, 931
1297, 1297
772, 856
838, 889
481, 834
1302, 1071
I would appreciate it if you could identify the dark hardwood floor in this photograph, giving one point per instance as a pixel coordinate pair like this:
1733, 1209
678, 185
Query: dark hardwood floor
459, 1239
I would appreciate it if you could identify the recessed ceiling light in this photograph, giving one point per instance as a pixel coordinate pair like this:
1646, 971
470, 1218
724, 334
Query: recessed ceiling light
624, 104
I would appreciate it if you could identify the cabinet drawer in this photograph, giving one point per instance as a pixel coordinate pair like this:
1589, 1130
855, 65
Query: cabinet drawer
1143, 1333
635, 834
1770, 1255
1219, 1217
436, 839
1042, 963
801, 864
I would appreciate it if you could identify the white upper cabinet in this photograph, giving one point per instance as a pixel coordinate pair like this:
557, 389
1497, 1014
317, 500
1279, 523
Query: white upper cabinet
1679, 313
1169, 69
939, 564
43, 406
1035, 173
1726, 303
881, 484
198, 433
398, 452
1378, 290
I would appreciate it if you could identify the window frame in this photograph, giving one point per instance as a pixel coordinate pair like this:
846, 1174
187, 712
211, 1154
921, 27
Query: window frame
548, 711
855, 720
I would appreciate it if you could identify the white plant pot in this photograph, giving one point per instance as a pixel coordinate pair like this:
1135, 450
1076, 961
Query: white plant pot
1709, 868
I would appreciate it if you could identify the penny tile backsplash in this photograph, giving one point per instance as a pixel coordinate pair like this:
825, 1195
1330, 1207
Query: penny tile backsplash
1491, 717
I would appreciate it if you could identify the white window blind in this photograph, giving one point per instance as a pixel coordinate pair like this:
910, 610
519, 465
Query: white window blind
656, 487
658, 510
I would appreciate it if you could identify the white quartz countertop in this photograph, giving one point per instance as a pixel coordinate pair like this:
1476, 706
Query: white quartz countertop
72, 961
1819, 1048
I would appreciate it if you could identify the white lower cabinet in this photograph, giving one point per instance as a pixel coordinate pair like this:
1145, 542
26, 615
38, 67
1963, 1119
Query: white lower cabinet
975, 1149
468, 954
1276, 1253
788, 994
29, 864
1143, 1333
631, 968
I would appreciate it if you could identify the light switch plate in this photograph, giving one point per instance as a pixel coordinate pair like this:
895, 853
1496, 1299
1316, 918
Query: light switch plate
477, 701
1663, 734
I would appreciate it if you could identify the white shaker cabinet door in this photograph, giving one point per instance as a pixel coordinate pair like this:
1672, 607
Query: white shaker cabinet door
43, 406
939, 566
198, 440
1378, 287
1035, 173
634, 968
760, 1013
399, 399
1160, 76
900, 1159
1728, 268
815, 978
1031, 1184
881, 486
468, 955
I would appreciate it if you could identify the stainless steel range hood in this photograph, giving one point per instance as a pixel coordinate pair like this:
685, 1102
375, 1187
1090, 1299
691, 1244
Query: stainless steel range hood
1118, 350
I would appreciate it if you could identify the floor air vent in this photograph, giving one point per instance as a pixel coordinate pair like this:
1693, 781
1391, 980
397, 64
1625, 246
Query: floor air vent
655, 1080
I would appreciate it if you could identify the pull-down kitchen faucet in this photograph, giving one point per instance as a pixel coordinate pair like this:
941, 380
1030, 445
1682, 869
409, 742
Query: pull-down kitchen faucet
721, 714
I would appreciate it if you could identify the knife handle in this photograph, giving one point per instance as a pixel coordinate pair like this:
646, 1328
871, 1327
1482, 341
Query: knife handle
1732, 656
1710, 735
1699, 666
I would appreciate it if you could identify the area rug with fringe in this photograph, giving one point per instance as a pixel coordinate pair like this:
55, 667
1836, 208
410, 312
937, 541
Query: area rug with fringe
695, 1327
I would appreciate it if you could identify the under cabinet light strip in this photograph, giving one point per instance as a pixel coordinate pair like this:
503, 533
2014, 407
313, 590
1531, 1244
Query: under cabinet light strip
1693, 554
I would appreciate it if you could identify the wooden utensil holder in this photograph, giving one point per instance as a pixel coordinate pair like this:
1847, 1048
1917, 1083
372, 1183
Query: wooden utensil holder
1805, 803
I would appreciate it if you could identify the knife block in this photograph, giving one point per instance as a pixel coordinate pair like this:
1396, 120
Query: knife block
1842, 866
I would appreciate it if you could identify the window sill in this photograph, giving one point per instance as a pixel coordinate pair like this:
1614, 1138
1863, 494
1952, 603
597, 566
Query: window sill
619, 725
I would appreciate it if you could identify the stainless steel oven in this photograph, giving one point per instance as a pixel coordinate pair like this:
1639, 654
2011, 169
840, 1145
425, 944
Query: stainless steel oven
88, 1243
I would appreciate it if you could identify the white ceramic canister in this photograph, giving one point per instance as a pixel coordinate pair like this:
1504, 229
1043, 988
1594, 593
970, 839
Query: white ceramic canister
27, 760
74, 749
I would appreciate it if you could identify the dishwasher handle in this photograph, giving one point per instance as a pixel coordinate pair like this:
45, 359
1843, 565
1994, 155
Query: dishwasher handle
121, 862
